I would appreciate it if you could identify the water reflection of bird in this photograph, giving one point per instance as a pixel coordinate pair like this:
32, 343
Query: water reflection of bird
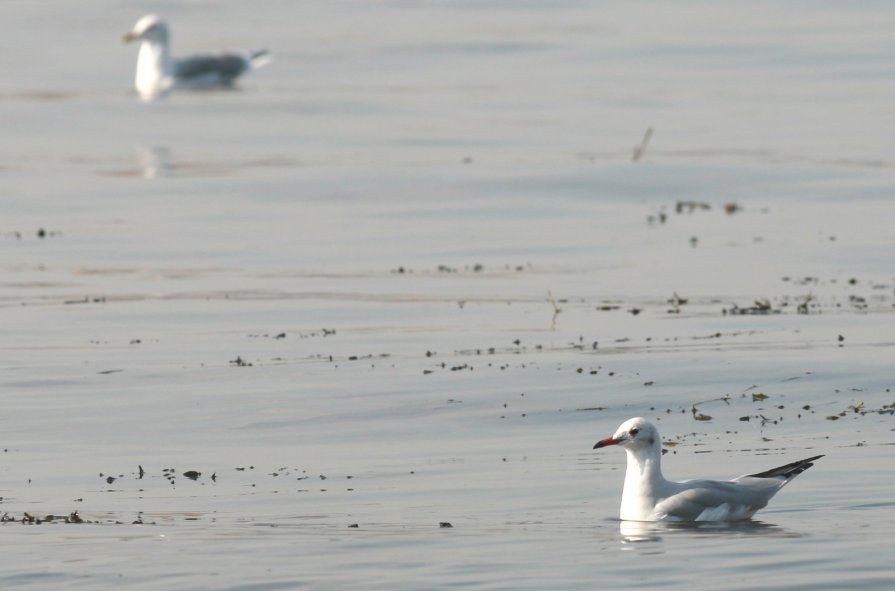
648, 496
158, 72
154, 162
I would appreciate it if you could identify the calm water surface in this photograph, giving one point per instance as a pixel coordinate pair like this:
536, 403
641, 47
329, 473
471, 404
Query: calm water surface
408, 274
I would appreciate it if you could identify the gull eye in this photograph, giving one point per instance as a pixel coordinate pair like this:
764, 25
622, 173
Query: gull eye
634, 431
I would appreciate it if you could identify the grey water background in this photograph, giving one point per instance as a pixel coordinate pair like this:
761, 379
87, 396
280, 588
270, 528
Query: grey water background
409, 273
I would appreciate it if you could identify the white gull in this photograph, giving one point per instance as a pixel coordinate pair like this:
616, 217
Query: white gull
648, 496
158, 72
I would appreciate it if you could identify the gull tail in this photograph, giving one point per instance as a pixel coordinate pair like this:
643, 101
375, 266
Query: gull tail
259, 58
788, 471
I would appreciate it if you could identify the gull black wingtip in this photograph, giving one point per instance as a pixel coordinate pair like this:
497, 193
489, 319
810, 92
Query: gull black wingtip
789, 470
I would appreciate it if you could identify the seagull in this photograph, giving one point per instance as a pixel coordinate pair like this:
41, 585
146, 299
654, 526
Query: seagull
158, 72
649, 497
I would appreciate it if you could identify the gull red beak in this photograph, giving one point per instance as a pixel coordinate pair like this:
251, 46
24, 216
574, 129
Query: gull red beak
605, 442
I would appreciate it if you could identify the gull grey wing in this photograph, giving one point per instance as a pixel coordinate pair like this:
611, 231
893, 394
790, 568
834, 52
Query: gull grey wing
219, 69
711, 500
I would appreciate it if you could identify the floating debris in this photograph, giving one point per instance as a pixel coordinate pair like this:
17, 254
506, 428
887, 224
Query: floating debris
691, 206
802, 308
239, 362
28, 519
758, 307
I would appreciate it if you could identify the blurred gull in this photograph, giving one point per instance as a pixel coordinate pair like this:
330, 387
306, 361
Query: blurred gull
158, 72
647, 496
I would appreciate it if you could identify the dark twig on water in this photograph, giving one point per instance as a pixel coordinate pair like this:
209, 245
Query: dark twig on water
704, 417
641, 149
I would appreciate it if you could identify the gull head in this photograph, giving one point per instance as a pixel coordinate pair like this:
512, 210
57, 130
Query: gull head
148, 28
635, 435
